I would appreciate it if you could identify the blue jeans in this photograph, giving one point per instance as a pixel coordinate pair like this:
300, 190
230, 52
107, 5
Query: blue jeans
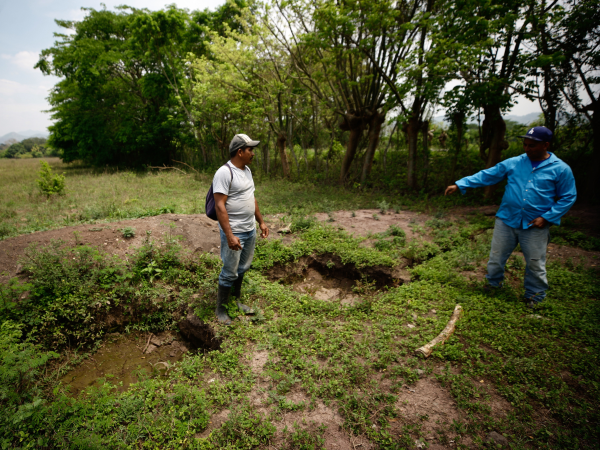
534, 242
236, 262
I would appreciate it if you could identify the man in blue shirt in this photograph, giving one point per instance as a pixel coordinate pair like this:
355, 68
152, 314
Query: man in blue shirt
540, 190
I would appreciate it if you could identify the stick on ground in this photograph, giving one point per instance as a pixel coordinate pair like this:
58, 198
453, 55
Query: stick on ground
444, 335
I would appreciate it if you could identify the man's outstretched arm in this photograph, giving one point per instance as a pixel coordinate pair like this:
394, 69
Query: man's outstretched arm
482, 178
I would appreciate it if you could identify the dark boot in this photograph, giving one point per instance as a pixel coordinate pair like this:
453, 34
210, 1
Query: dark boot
222, 299
236, 291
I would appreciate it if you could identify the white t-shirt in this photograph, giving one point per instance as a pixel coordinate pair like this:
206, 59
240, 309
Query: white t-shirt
240, 196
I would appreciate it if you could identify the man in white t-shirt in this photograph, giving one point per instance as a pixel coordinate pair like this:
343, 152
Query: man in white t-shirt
237, 210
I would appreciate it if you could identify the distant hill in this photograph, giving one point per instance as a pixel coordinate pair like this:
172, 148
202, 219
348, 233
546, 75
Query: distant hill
23, 135
525, 119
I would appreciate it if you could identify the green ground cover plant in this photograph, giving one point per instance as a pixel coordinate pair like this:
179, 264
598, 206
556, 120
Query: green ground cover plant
355, 359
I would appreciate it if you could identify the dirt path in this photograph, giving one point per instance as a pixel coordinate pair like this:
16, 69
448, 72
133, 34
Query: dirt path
197, 232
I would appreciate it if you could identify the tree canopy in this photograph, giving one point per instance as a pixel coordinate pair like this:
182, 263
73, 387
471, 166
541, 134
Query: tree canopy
319, 80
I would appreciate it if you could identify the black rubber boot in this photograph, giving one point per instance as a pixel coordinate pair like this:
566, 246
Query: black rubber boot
236, 291
222, 299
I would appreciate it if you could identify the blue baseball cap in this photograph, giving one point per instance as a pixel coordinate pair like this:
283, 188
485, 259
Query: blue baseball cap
540, 134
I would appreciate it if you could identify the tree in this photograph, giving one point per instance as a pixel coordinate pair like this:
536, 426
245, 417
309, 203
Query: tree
124, 94
347, 54
167, 37
111, 107
489, 44
15, 150
249, 72
580, 44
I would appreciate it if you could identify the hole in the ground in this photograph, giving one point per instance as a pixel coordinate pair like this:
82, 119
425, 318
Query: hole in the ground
326, 277
122, 359
201, 335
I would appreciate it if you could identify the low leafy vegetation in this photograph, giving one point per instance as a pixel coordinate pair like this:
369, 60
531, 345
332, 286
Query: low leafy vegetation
356, 359
49, 182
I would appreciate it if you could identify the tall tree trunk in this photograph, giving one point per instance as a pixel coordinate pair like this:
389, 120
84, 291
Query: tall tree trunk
425, 137
355, 124
291, 147
412, 136
281, 140
458, 120
550, 96
265, 152
290, 121
375, 123
387, 147
594, 174
493, 143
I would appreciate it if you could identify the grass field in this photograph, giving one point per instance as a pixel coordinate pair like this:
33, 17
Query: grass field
92, 196
357, 360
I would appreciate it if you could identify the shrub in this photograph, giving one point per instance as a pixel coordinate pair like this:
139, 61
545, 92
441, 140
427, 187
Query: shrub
37, 152
383, 206
128, 232
302, 224
50, 183
20, 363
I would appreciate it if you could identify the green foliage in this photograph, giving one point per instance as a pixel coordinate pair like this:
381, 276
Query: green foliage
244, 429
20, 364
302, 223
383, 206
128, 232
320, 239
306, 440
124, 83
15, 150
565, 236
50, 183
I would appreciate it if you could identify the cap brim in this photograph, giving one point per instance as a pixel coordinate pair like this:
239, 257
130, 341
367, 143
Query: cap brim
532, 138
251, 144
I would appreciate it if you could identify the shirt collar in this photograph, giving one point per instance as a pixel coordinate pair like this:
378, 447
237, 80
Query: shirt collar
550, 160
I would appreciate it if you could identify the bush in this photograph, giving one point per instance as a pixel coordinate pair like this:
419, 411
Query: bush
19, 366
128, 232
37, 151
49, 183
302, 224
15, 150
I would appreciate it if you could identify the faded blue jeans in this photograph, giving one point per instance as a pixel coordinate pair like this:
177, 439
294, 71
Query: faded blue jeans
236, 262
534, 242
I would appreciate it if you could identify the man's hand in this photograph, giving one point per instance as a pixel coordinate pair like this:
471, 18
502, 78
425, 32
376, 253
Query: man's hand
451, 189
540, 222
233, 242
264, 230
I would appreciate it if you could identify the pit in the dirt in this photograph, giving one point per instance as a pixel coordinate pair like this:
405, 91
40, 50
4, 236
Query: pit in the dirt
327, 278
121, 357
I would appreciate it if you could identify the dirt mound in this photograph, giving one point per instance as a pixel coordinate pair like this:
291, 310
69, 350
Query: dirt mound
197, 233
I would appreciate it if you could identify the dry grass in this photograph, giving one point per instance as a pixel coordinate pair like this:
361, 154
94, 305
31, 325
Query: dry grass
109, 195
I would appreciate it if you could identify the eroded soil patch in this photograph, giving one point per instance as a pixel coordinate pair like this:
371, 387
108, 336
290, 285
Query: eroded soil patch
326, 277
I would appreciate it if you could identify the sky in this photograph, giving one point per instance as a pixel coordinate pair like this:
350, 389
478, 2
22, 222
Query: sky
27, 27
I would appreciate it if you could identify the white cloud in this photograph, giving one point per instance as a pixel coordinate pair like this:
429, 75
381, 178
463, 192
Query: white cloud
11, 88
23, 60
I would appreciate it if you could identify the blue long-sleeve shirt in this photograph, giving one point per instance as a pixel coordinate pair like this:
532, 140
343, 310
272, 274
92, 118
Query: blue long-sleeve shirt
546, 191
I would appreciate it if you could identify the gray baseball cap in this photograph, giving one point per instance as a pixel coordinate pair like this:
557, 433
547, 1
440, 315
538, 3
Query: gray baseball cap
241, 141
